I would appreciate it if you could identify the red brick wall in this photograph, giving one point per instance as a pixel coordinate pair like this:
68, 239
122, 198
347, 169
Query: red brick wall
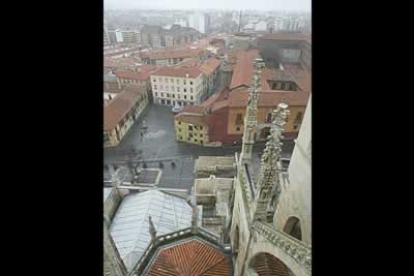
217, 123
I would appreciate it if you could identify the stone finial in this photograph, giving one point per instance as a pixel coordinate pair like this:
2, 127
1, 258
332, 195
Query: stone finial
152, 230
194, 219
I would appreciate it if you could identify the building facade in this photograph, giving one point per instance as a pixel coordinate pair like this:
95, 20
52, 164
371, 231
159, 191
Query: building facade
122, 112
177, 86
191, 129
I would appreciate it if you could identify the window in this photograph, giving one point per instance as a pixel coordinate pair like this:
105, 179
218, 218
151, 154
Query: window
195, 140
172, 88
160, 79
180, 137
191, 83
190, 128
166, 88
282, 87
173, 95
166, 80
178, 89
156, 94
201, 141
190, 135
192, 98
178, 96
168, 95
154, 80
179, 129
239, 119
295, 127
185, 89
185, 97
161, 87
179, 122
237, 128
201, 128
162, 94
191, 90
184, 82
155, 87
178, 81
201, 135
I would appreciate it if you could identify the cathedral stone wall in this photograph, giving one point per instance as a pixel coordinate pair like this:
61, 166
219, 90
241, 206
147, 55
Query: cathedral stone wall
295, 199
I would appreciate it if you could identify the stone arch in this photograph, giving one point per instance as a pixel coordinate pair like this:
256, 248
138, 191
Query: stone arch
293, 228
265, 264
293, 268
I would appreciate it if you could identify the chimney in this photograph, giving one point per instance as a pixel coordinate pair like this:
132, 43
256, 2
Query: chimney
186, 75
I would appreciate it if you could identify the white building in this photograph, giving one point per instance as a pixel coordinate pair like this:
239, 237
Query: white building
260, 26
177, 86
181, 22
198, 21
119, 36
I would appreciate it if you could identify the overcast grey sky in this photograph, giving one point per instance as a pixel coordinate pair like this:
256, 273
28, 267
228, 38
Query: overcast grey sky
295, 5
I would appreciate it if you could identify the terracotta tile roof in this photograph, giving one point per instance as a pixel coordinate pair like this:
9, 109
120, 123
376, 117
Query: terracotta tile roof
270, 98
289, 37
182, 53
220, 104
112, 87
179, 72
191, 118
209, 66
301, 77
126, 74
193, 109
121, 105
243, 71
194, 257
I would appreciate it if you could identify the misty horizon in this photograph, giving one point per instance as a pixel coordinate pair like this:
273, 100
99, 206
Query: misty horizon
229, 5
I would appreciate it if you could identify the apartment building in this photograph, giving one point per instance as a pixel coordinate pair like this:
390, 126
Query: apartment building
177, 86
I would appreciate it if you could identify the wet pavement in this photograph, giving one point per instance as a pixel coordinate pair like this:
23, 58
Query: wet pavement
158, 142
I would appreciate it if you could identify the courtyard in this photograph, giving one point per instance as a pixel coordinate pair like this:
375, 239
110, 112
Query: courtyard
154, 143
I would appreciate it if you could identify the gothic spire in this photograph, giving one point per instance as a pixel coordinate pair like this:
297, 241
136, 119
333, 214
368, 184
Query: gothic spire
269, 172
250, 118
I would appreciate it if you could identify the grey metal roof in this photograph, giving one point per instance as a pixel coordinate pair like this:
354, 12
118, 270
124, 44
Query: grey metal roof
130, 226
107, 191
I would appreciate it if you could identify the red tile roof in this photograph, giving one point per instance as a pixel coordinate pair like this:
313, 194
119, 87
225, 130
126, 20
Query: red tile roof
220, 104
179, 72
191, 118
193, 109
270, 98
194, 257
116, 110
209, 66
183, 53
243, 71
132, 75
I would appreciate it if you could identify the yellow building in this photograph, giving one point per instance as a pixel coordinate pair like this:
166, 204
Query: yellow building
121, 112
191, 129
